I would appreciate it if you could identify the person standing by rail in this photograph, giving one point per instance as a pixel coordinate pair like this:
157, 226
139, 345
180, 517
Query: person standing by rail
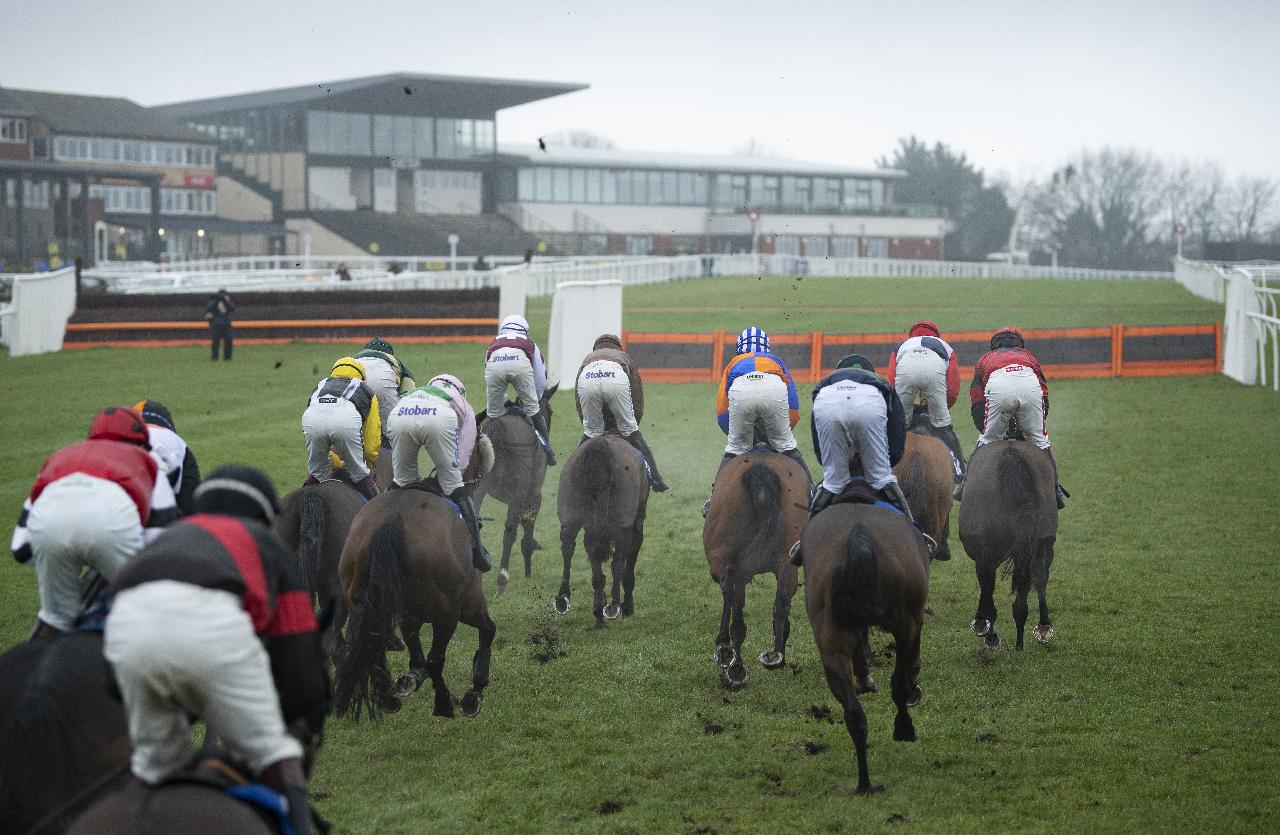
218, 312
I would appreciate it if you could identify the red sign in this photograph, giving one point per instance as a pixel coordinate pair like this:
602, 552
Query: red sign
753, 215
1179, 229
198, 180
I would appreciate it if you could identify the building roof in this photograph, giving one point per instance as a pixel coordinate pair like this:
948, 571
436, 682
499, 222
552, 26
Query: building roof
732, 163
68, 113
478, 93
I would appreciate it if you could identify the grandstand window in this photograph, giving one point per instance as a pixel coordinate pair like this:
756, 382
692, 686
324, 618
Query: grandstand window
561, 185
639, 188
723, 197
877, 193
844, 247
543, 191
739, 191
826, 193
609, 186
485, 137
699, 189
639, 244
857, 193
655, 188
446, 139
671, 187
624, 186
13, 130
877, 247
577, 185
424, 140
464, 129
382, 136
769, 193
402, 139
524, 184
593, 185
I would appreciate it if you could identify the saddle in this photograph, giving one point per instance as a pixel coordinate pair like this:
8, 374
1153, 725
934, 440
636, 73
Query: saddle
431, 485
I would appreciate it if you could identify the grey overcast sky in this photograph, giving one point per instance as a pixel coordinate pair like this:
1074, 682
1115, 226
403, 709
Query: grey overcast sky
1018, 85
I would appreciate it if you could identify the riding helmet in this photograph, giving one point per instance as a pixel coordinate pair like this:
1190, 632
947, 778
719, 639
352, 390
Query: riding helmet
857, 361
924, 328
752, 340
448, 381
380, 344
155, 413
118, 423
514, 324
348, 367
1006, 338
237, 490
607, 340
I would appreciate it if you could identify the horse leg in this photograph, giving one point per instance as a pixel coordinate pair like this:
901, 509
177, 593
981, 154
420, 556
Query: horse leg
441, 632
629, 570
736, 675
836, 667
781, 621
527, 543
1044, 631
410, 629
905, 689
616, 569
862, 680
723, 655
508, 540
478, 616
1020, 608
984, 620
597, 550
568, 541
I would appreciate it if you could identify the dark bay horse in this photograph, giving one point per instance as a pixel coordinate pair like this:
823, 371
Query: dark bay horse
519, 469
1010, 512
63, 737
408, 558
925, 474
172, 809
314, 521
864, 566
759, 505
604, 492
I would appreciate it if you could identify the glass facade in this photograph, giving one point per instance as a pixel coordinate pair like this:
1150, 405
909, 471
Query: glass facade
137, 152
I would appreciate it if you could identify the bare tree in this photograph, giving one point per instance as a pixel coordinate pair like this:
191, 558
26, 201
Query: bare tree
1249, 208
756, 147
579, 139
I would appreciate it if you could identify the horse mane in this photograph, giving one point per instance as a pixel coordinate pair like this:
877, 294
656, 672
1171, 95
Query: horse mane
374, 621
855, 590
595, 482
764, 492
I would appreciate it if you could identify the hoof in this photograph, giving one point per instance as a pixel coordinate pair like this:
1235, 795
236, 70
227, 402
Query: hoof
980, 627
472, 702
735, 677
406, 685
628, 610
444, 707
865, 685
389, 704
561, 604
600, 624
914, 697
771, 660
724, 656
904, 732
612, 611
1043, 633
992, 641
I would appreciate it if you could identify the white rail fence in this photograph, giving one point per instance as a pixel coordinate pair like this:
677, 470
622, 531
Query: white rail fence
35, 320
1251, 324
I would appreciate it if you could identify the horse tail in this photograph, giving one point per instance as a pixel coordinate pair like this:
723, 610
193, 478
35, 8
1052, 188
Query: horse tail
362, 673
596, 482
855, 592
1019, 495
764, 493
311, 519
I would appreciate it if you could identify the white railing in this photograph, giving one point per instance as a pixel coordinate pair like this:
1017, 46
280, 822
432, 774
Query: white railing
909, 268
35, 321
1202, 279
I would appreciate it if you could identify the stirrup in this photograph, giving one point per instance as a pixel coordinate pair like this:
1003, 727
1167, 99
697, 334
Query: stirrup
930, 544
706, 508
797, 559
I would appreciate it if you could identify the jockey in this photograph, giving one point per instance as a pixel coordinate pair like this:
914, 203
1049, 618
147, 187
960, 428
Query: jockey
925, 365
184, 471
609, 380
96, 503
1008, 382
757, 392
342, 415
514, 360
858, 412
385, 375
214, 620
437, 416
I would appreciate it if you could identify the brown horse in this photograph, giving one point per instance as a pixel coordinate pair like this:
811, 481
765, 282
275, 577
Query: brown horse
180, 808
604, 492
408, 557
925, 474
314, 521
63, 737
1010, 512
864, 566
758, 508
519, 469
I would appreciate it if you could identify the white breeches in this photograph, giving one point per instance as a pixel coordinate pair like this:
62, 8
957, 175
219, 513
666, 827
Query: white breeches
605, 383
759, 398
430, 423
1015, 391
509, 367
852, 418
922, 372
335, 426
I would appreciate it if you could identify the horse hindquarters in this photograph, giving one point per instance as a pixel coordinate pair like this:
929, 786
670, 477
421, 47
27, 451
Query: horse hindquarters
363, 678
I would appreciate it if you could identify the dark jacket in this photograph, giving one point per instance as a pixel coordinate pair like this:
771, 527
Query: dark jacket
219, 310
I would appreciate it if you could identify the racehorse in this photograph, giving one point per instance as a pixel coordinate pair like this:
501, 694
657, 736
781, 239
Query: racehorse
1009, 512
925, 475
864, 566
759, 504
519, 469
179, 808
604, 492
314, 521
408, 556
63, 738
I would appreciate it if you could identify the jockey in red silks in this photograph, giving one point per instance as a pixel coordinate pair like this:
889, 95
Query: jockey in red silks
1008, 383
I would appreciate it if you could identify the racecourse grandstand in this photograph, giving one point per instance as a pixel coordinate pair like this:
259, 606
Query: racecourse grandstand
397, 164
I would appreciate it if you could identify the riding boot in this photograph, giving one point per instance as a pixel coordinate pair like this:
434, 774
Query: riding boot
479, 556
707, 505
956, 494
822, 499
584, 439
539, 422
287, 778
367, 486
311, 480
947, 434
637, 440
794, 455
894, 495
1061, 494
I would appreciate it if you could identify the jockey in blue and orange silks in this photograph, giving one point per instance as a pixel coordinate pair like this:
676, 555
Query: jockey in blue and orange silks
757, 392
